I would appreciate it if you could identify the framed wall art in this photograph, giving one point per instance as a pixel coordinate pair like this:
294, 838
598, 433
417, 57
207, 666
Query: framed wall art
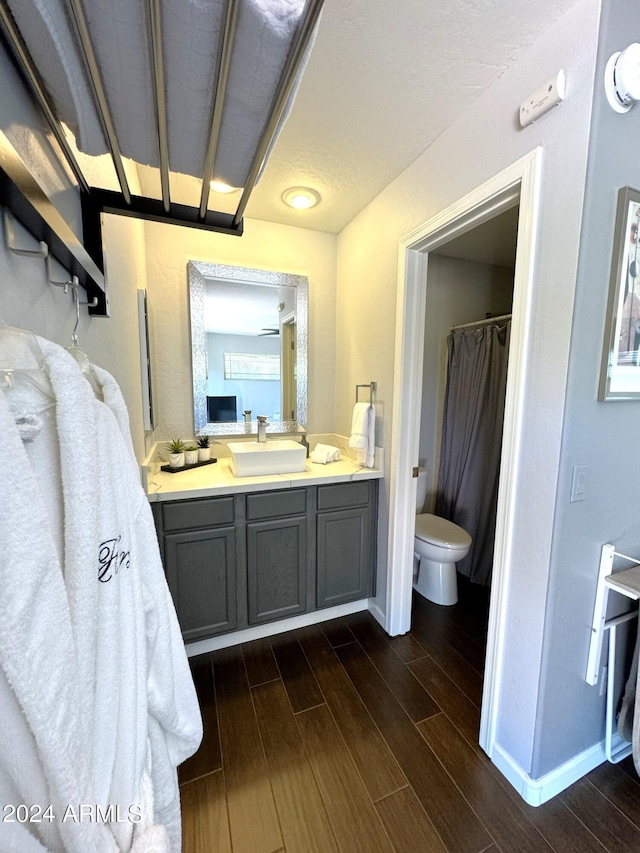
620, 370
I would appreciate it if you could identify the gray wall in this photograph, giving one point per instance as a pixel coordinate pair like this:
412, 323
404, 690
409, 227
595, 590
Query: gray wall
484, 140
600, 435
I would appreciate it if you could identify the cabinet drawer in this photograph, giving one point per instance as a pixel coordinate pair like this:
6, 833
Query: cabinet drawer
189, 515
276, 504
342, 495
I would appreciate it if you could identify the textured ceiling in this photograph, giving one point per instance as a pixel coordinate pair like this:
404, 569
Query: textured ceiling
494, 242
384, 80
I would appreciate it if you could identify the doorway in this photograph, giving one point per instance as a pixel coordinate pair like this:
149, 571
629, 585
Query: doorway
288, 390
515, 186
469, 301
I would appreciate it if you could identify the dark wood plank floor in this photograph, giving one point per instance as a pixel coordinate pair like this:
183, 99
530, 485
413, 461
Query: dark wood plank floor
337, 738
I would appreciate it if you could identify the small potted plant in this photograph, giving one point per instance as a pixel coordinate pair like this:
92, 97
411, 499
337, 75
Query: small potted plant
191, 454
204, 451
176, 452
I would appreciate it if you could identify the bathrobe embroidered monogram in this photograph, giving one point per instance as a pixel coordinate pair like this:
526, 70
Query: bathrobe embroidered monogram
94, 672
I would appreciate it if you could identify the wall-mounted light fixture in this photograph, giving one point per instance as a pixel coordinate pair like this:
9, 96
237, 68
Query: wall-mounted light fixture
301, 198
622, 78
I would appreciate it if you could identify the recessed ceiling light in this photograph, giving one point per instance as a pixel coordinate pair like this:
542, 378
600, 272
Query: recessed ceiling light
301, 197
221, 187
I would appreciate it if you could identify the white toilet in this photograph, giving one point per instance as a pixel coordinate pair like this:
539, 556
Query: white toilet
438, 545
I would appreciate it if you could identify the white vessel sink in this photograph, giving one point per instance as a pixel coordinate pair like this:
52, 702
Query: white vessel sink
277, 456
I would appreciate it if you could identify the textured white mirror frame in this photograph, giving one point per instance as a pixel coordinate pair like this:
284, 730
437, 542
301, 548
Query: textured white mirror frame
198, 274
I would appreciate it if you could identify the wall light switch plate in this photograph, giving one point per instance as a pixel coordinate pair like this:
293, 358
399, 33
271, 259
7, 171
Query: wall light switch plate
579, 482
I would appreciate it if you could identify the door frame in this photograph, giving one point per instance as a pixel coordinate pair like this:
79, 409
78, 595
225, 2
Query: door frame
518, 184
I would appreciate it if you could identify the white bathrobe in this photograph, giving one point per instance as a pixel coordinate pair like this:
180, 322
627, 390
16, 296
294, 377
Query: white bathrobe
124, 698
45, 716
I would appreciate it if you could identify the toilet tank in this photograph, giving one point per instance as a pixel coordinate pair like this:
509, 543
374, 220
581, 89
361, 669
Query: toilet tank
421, 492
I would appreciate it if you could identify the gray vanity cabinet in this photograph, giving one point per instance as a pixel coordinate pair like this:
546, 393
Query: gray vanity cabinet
199, 549
236, 561
345, 550
278, 551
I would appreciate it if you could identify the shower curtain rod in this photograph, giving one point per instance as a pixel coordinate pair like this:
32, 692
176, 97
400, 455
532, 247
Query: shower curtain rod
486, 322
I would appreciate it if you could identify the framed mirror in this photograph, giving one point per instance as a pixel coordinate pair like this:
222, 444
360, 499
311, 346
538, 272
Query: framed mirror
248, 349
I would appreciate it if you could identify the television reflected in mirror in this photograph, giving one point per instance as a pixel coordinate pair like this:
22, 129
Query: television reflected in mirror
248, 349
222, 409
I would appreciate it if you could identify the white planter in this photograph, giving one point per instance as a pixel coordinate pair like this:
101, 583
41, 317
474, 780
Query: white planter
204, 454
191, 457
176, 460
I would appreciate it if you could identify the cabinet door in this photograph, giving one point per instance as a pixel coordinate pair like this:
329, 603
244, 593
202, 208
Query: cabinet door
201, 572
345, 556
276, 568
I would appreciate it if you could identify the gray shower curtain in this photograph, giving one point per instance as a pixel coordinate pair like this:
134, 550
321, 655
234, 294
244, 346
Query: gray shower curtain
472, 439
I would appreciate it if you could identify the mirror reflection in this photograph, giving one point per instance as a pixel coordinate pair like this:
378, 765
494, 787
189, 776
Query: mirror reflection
249, 352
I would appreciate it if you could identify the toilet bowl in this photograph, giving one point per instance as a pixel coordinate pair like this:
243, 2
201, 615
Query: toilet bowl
438, 545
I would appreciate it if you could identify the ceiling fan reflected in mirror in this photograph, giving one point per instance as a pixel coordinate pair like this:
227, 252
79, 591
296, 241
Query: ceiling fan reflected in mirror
265, 332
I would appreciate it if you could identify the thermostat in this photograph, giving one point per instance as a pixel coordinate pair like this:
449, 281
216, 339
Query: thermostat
543, 99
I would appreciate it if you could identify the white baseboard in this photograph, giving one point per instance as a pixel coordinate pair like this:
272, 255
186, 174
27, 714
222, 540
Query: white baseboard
377, 613
535, 792
224, 641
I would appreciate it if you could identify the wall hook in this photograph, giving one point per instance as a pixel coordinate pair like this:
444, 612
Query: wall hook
76, 299
10, 238
75, 285
74, 281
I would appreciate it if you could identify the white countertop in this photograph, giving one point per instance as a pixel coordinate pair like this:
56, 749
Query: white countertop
217, 479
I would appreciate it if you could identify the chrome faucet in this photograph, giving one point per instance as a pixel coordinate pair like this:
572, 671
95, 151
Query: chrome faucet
262, 428
247, 416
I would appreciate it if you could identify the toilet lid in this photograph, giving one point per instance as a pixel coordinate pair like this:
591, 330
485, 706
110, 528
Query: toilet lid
441, 532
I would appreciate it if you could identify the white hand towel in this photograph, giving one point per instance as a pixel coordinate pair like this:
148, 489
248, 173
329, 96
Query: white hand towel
363, 433
323, 453
359, 426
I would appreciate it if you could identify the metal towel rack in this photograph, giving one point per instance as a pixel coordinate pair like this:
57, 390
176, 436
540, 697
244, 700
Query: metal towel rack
21, 191
627, 583
372, 391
